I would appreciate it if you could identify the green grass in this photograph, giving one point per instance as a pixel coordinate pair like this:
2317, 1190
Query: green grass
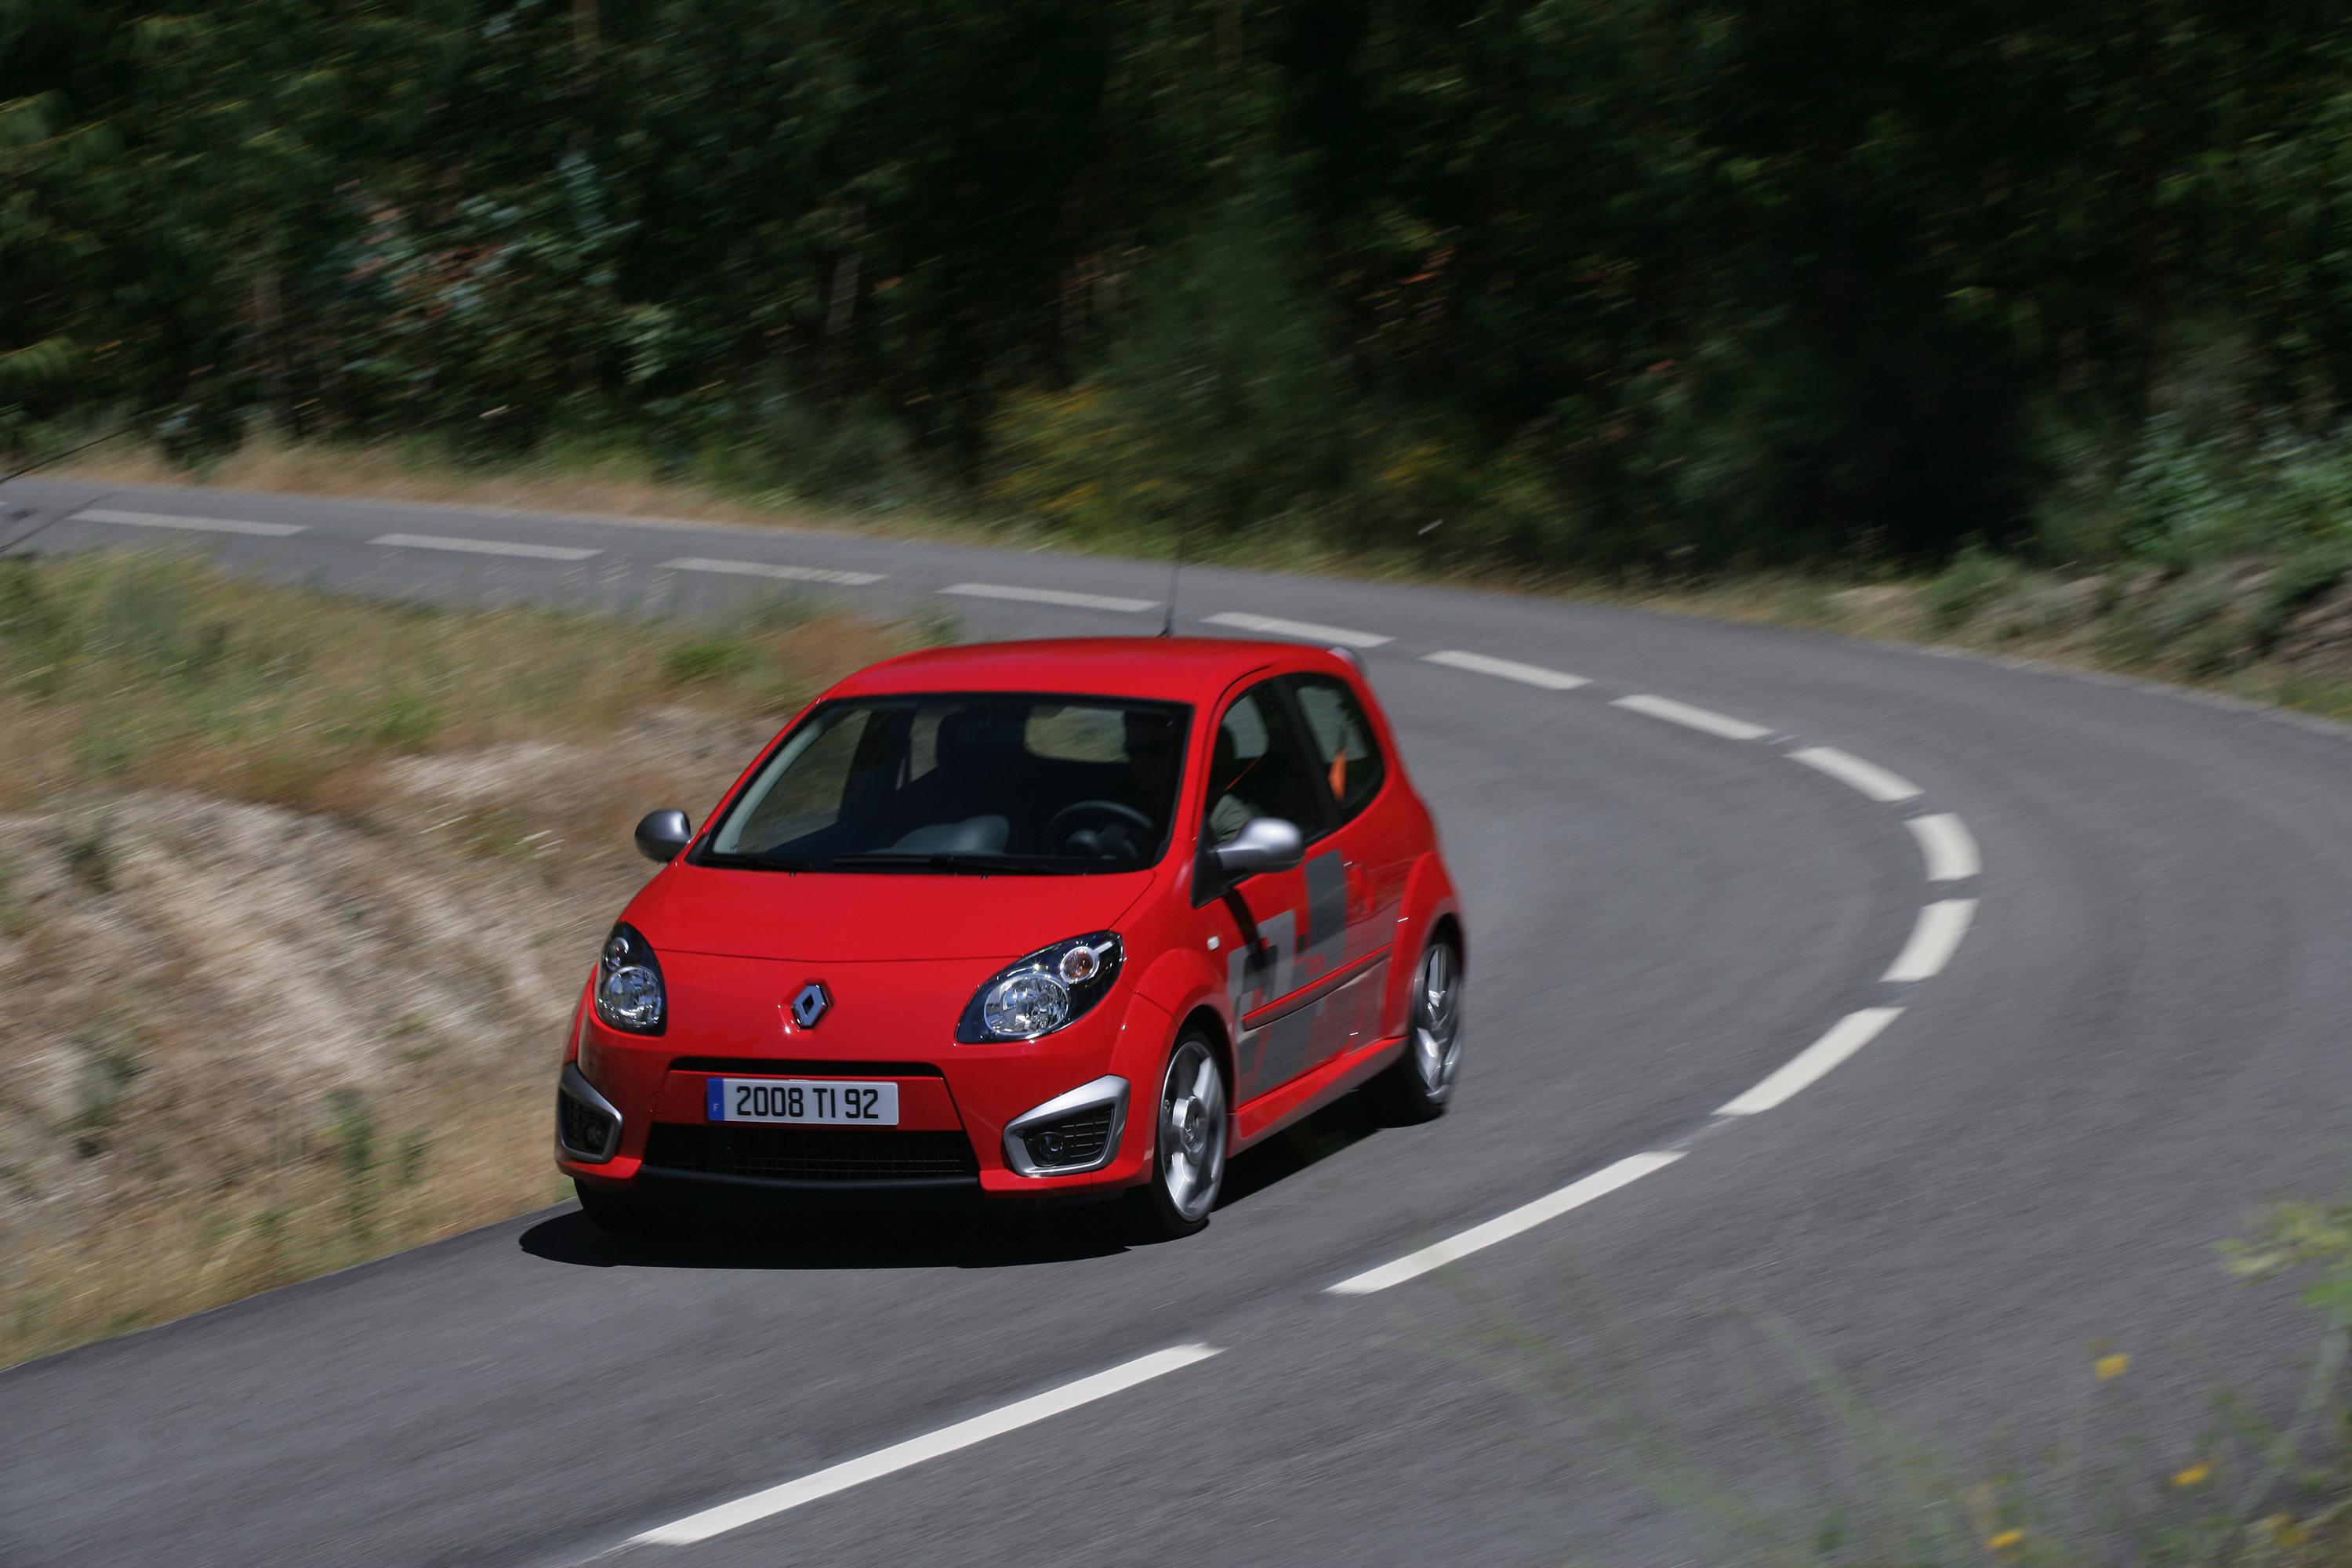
124, 670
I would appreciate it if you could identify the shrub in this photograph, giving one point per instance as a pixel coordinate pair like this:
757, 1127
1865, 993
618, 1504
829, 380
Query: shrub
13, 921
90, 855
2183, 499
1975, 578
1216, 402
706, 659
110, 1059
2294, 583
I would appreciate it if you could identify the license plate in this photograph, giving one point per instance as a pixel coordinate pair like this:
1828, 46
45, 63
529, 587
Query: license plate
826, 1101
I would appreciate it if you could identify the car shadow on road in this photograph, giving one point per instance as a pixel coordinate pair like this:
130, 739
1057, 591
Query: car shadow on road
1346, 1121
1010, 1237
774, 1237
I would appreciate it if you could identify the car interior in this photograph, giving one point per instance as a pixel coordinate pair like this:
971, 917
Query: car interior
1067, 781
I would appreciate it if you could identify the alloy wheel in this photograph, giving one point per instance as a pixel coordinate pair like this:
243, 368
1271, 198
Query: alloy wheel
1192, 1130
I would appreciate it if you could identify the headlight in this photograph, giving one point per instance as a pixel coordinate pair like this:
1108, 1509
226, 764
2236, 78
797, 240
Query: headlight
1051, 987
629, 993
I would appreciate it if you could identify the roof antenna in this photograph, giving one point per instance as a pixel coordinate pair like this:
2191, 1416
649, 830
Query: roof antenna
1175, 572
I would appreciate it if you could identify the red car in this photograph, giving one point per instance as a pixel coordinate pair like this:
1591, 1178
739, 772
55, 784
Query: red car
1025, 920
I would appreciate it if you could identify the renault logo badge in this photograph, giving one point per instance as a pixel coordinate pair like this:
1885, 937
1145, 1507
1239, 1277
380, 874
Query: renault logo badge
812, 1005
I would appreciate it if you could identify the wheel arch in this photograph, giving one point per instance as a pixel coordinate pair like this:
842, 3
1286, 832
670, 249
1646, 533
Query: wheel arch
1448, 928
1212, 1023
1430, 910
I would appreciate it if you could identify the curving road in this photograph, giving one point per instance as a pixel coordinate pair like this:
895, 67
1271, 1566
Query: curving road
2004, 1057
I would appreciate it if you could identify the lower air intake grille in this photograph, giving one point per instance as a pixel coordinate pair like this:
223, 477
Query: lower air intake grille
808, 1155
1073, 1140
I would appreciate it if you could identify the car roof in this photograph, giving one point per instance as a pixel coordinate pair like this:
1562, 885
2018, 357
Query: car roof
1168, 669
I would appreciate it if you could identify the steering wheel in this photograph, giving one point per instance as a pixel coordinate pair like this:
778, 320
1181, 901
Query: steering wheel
1115, 813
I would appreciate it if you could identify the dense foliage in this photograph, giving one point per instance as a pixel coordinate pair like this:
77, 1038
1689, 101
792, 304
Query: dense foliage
1598, 282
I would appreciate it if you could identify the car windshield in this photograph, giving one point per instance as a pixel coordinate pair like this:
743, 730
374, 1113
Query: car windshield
963, 782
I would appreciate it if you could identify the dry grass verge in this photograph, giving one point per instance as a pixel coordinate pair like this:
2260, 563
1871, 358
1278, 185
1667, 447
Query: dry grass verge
616, 481
295, 895
2275, 631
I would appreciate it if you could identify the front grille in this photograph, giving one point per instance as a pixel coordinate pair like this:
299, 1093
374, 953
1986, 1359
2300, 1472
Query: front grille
808, 1154
773, 1067
1072, 1140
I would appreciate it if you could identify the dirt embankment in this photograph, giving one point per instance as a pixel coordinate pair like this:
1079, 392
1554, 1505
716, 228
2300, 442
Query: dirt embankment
247, 1042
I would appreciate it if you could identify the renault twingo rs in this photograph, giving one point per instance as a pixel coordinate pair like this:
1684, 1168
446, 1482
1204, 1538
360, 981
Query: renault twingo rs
1023, 920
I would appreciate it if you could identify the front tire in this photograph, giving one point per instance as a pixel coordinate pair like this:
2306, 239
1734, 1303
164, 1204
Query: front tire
623, 1217
1188, 1153
1419, 1085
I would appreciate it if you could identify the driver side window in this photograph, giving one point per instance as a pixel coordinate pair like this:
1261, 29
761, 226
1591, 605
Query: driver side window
1258, 769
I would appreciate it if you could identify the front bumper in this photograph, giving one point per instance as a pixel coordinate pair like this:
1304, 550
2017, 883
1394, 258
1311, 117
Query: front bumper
1030, 1120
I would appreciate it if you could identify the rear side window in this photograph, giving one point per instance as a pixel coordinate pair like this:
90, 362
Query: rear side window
1258, 769
1351, 759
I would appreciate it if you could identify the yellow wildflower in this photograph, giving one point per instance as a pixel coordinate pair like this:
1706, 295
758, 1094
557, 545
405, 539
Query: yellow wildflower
2108, 1366
2194, 1476
2286, 1531
2005, 1539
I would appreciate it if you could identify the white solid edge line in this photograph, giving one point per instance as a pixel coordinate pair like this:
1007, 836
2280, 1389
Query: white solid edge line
1051, 597
1934, 940
762, 569
201, 524
823, 1483
1949, 850
1691, 718
1507, 670
1527, 1216
1275, 626
1847, 769
481, 546
1845, 1036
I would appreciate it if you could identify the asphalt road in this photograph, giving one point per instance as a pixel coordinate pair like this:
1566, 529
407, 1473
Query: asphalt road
2139, 1038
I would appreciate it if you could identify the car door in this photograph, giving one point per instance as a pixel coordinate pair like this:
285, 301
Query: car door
1361, 866
1259, 766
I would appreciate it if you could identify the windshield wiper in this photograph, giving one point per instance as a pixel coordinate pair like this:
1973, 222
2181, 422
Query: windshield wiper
944, 860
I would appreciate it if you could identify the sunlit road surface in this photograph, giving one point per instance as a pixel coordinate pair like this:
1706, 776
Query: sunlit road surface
1924, 1019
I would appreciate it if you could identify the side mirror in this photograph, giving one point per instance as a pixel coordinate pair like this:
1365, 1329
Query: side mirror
1264, 844
662, 834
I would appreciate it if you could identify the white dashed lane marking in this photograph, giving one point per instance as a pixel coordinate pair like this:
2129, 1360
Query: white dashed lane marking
1691, 718
839, 1477
197, 524
481, 546
1868, 778
763, 569
1949, 849
1310, 630
1847, 1036
1527, 1216
1507, 670
1068, 601
1934, 940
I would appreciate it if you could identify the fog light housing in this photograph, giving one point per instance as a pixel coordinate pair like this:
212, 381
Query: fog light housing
587, 1125
1070, 1132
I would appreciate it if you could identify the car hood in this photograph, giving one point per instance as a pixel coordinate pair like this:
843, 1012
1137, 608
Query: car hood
836, 917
